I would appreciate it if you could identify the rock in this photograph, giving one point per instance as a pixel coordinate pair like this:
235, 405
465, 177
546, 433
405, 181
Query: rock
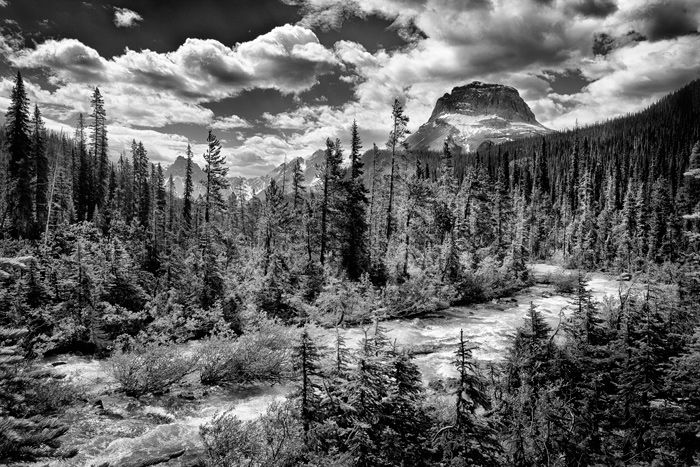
172, 445
187, 395
625, 276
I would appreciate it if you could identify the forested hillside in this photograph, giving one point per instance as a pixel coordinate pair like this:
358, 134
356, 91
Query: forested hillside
102, 257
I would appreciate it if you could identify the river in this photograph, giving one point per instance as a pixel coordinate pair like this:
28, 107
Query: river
152, 423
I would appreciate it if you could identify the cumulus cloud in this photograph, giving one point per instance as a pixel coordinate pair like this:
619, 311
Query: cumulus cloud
148, 88
288, 58
629, 52
231, 122
126, 18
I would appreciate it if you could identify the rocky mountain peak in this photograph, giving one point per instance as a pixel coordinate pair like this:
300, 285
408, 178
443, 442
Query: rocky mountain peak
479, 98
475, 114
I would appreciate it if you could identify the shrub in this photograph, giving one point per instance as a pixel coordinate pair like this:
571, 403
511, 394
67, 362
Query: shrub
275, 438
565, 282
420, 294
262, 354
150, 368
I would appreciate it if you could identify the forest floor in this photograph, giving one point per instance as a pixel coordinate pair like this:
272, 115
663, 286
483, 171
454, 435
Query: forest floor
115, 430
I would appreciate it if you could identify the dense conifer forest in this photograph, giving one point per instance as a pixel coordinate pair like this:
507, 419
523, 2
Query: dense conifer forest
102, 257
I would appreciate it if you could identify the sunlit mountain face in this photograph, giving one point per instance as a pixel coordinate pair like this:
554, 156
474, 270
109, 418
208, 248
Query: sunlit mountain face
275, 78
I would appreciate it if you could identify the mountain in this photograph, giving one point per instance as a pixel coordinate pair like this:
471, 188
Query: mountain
468, 117
475, 114
250, 186
178, 169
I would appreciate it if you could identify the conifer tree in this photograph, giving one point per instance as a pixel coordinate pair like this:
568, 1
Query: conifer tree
98, 147
21, 165
331, 177
355, 252
306, 363
274, 221
573, 176
85, 193
396, 138
40, 157
659, 215
215, 182
188, 191
472, 440
298, 187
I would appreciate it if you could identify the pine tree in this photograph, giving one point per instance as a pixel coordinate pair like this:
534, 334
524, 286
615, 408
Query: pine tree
396, 138
215, 182
573, 176
98, 146
470, 440
659, 215
641, 223
84, 194
144, 195
306, 363
542, 172
40, 157
355, 251
188, 191
274, 221
298, 187
21, 165
331, 176
404, 436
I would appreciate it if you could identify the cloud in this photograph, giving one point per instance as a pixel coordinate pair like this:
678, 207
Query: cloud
288, 58
594, 8
627, 80
152, 89
125, 18
231, 122
666, 19
68, 59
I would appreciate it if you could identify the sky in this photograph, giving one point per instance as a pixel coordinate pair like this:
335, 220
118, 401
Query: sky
274, 78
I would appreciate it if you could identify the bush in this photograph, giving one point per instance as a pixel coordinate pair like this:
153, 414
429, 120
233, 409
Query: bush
420, 294
150, 368
565, 282
253, 357
273, 439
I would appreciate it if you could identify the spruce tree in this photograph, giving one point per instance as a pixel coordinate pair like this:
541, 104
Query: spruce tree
298, 187
85, 193
355, 251
215, 182
188, 191
396, 139
21, 165
306, 363
470, 440
331, 177
40, 157
98, 147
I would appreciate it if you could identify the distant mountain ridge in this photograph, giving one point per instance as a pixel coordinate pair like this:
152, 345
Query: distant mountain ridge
468, 117
249, 186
